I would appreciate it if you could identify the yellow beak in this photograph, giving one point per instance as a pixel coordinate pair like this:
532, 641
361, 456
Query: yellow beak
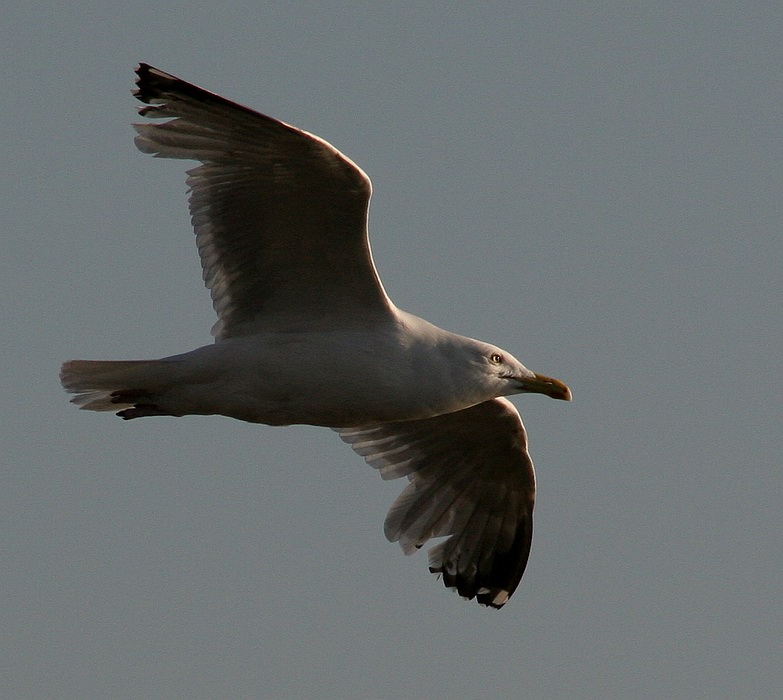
554, 388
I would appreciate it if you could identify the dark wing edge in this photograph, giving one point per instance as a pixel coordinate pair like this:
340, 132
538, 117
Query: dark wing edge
155, 87
471, 480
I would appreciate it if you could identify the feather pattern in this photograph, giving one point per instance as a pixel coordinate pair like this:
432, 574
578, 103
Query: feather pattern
471, 480
279, 213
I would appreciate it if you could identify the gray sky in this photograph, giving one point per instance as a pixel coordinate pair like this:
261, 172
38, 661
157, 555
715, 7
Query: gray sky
594, 187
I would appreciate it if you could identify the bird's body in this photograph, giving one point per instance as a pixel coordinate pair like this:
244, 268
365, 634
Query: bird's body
327, 378
306, 334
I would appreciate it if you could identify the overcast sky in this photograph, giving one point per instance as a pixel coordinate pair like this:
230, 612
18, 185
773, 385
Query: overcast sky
596, 187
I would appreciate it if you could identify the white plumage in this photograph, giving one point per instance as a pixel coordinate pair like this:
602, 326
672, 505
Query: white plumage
307, 334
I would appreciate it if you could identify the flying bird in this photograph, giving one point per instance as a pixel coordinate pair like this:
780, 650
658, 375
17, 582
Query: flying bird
306, 334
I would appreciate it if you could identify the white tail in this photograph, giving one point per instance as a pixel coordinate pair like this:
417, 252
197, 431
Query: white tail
95, 381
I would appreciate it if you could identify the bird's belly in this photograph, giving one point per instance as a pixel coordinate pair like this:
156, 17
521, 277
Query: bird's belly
322, 402
287, 380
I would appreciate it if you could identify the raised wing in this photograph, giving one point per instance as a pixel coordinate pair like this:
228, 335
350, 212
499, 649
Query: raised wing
472, 480
280, 215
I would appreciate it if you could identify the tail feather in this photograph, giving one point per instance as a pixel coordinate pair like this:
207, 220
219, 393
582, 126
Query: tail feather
109, 385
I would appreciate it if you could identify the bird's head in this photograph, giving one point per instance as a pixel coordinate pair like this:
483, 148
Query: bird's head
512, 377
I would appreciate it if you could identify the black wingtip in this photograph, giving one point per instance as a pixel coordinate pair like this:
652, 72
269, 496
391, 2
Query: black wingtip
468, 589
151, 82
155, 87
495, 587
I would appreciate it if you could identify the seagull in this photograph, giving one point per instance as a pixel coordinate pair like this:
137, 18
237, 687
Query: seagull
306, 334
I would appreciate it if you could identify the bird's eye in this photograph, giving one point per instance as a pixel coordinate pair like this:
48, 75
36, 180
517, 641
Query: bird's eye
496, 358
